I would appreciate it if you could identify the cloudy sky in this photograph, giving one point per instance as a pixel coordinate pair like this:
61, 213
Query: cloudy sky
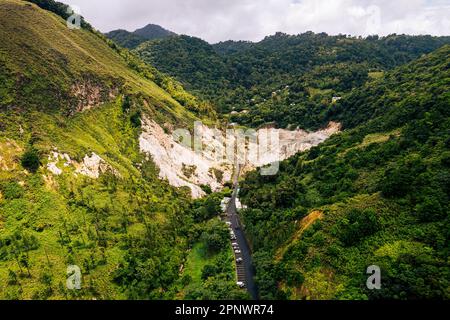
218, 20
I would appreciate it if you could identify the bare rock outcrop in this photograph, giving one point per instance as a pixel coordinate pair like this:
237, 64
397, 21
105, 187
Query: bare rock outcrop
198, 160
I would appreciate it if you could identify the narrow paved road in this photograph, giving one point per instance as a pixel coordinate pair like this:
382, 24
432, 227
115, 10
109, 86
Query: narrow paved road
245, 270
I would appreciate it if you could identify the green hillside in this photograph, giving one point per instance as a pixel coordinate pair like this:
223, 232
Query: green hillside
68, 97
81, 68
75, 190
286, 79
125, 38
376, 194
192, 61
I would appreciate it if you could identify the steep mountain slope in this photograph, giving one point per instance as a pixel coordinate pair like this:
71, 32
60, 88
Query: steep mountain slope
377, 194
88, 77
74, 187
133, 39
125, 38
189, 59
289, 80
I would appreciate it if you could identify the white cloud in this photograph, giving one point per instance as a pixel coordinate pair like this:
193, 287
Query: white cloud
217, 20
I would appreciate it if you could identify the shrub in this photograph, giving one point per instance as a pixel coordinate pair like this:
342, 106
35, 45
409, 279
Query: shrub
209, 271
429, 210
186, 280
30, 160
215, 236
445, 159
136, 119
357, 225
126, 104
12, 190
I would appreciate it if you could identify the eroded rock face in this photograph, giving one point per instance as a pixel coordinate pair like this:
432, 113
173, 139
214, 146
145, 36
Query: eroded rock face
92, 166
173, 158
293, 142
90, 94
209, 158
53, 160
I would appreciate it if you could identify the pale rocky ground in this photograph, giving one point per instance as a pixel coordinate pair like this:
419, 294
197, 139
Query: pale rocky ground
208, 159
217, 155
92, 166
8, 155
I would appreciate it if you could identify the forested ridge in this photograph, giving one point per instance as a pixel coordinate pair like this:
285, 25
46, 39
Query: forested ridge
377, 194
133, 39
289, 80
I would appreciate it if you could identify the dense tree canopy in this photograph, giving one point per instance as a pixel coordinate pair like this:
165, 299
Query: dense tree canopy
376, 194
289, 80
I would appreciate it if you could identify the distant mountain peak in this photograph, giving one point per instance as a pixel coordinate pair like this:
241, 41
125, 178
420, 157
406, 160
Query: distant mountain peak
133, 39
153, 31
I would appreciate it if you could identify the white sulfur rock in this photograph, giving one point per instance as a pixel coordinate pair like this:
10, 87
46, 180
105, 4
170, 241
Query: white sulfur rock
92, 166
172, 157
54, 169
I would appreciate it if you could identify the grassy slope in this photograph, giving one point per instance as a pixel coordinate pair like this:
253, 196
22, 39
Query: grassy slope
49, 222
196, 261
56, 57
382, 188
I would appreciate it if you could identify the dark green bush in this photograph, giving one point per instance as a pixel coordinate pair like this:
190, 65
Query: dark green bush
357, 225
209, 271
215, 237
30, 160
136, 119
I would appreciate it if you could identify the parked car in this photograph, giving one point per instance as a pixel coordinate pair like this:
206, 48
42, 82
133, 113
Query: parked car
237, 251
240, 284
235, 244
239, 260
